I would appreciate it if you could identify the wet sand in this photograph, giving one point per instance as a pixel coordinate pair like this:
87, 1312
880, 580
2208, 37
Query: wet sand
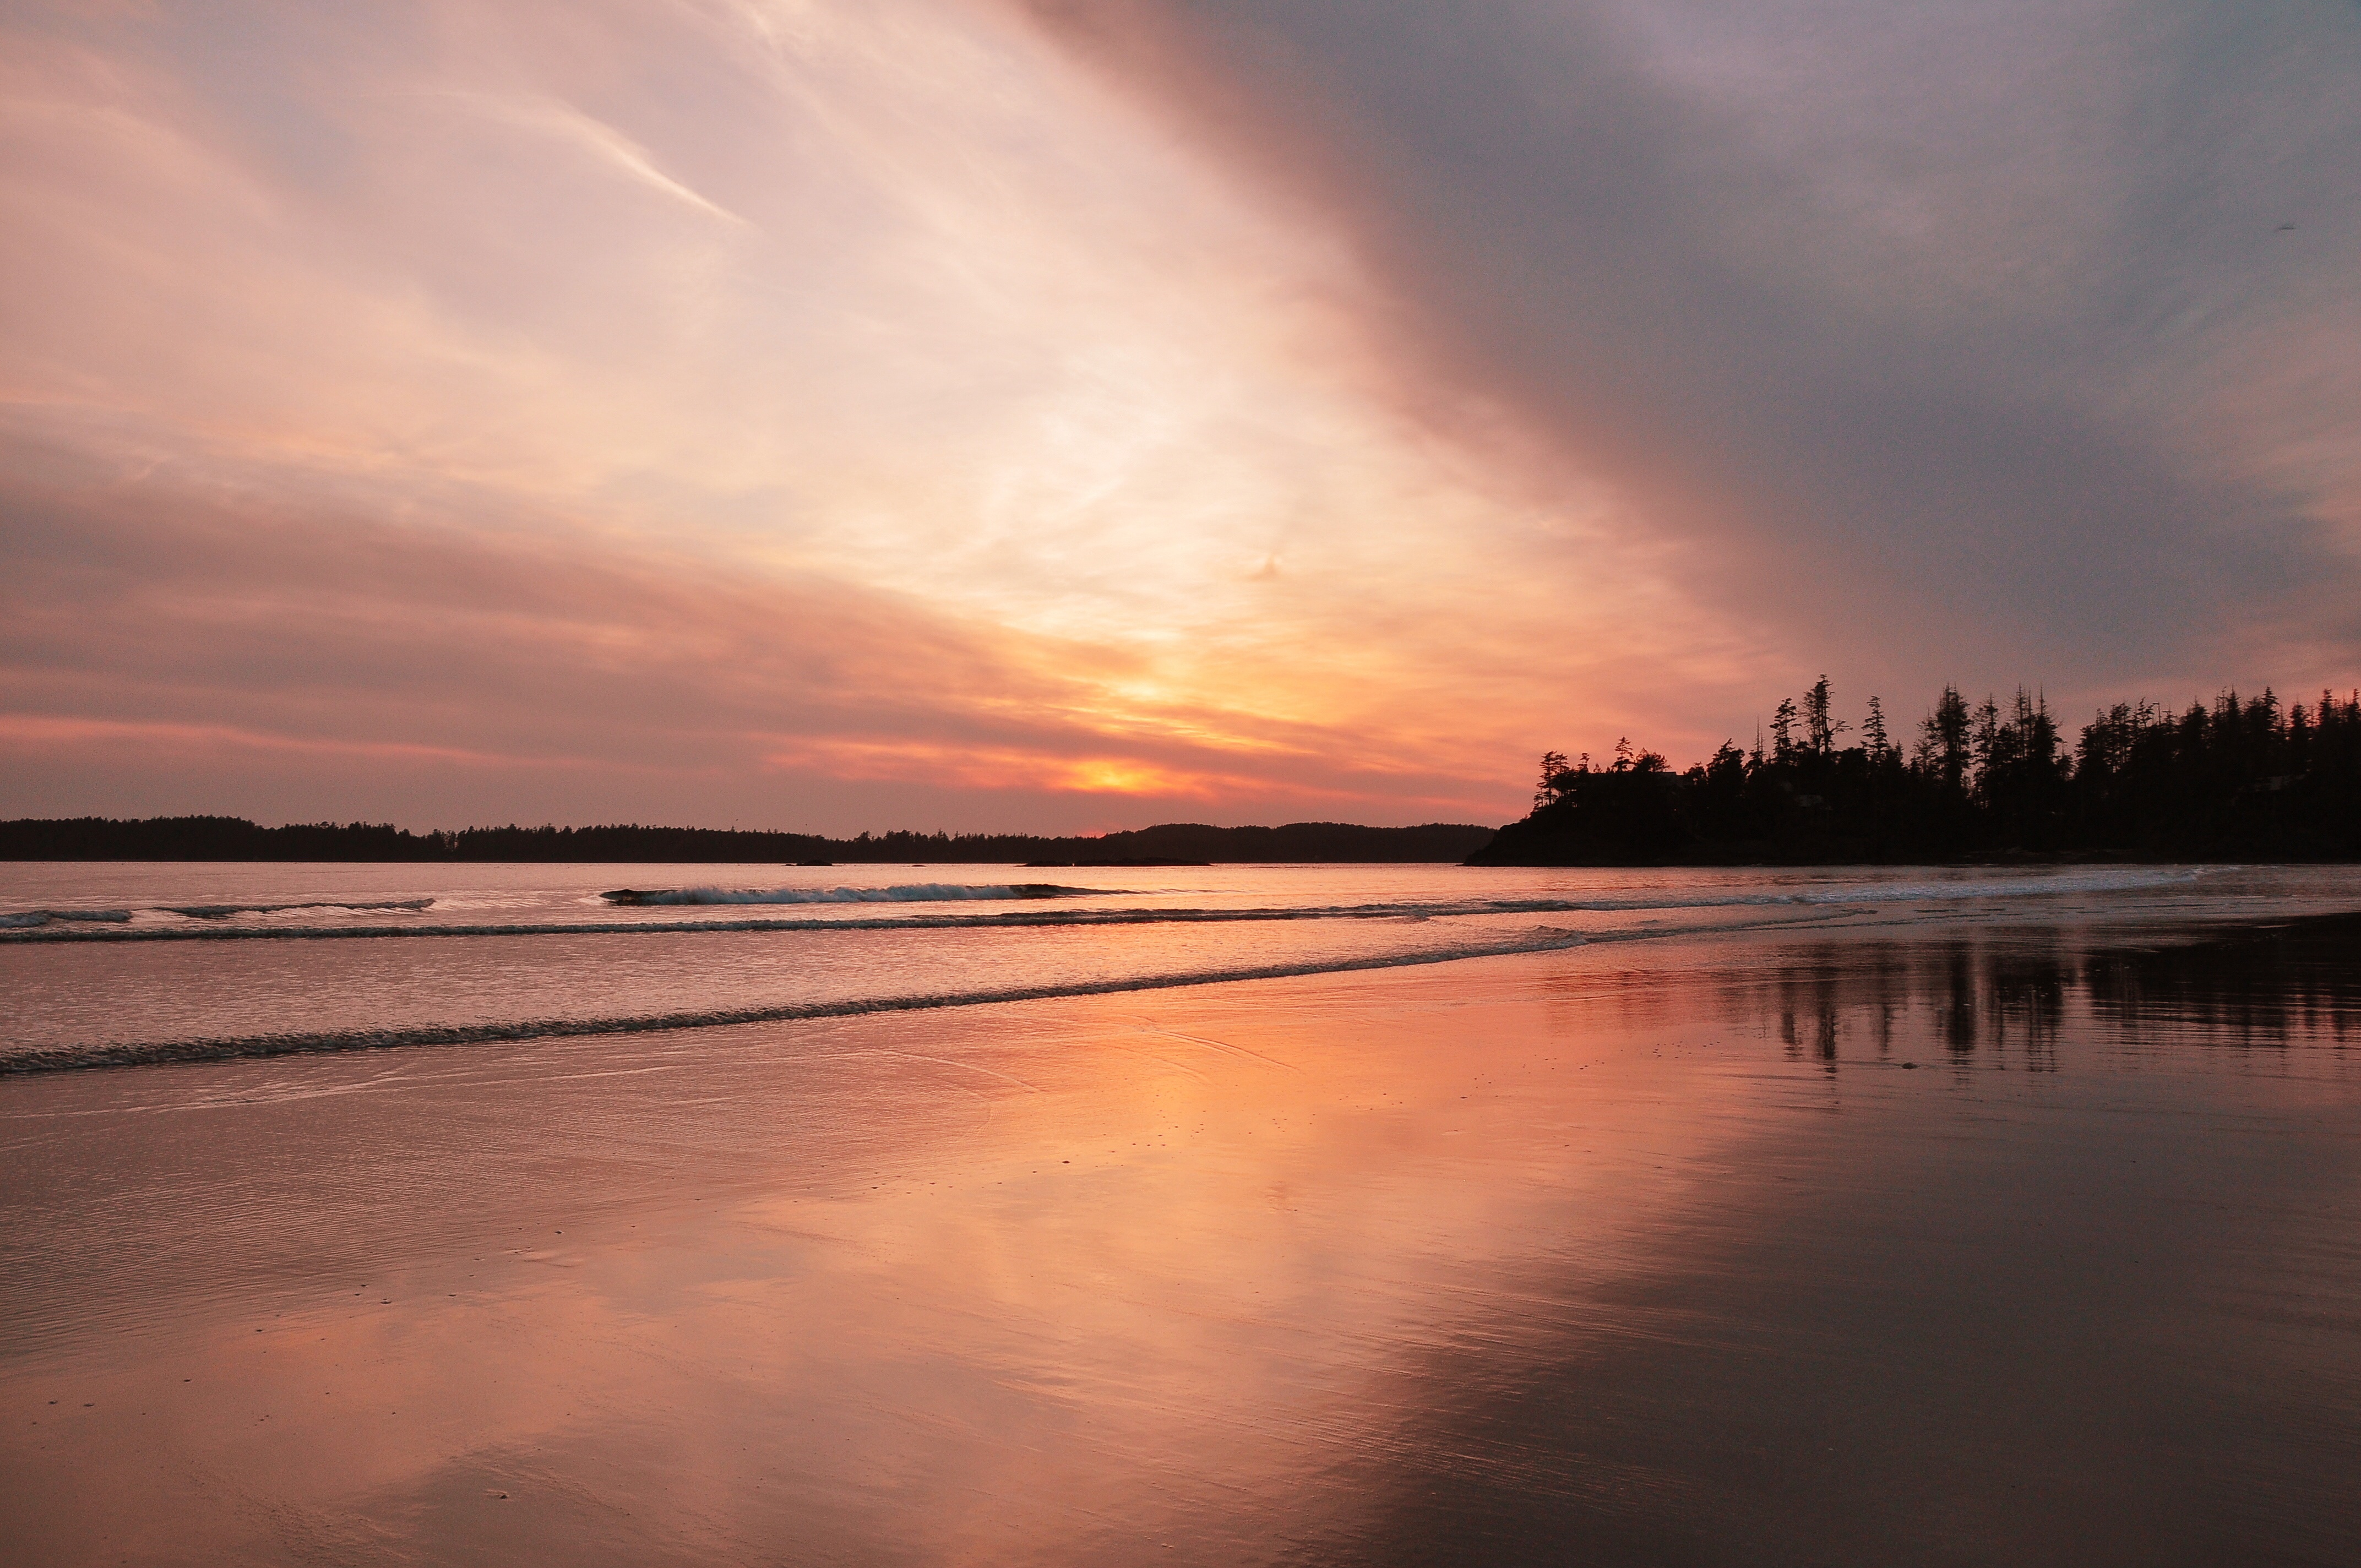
1996, 1245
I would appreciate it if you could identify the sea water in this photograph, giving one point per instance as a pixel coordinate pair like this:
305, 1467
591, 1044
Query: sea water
121, 962
1729, 1217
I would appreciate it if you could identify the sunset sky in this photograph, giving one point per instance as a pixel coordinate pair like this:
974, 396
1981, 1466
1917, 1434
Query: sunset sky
1068, 416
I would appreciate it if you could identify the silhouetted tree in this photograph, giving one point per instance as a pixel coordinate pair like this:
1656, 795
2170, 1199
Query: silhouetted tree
2240, 778
1821, 728
1553, 768
1943, 740
1873, 731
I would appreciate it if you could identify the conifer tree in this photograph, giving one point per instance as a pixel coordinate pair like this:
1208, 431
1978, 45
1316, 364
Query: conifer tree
2239, 778
1943, 740
1820, 730
1552, 773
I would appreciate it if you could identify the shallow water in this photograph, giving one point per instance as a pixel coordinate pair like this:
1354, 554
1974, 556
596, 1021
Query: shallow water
106, 962
1937, 1234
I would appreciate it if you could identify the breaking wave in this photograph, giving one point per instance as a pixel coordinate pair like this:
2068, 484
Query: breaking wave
908, 893
224, 911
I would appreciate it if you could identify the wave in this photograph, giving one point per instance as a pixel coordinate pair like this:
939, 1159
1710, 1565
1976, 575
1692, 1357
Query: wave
1794, 898
222, 1048
24, 918
2021, 887
908, 893
224, 911
1015, 919
33, 919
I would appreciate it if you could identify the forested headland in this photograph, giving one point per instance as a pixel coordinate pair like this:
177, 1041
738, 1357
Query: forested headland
2244, 779
236, 838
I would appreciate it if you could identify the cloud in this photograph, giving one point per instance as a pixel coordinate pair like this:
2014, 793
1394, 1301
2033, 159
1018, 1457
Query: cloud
1003, 415
305, 661
601, 141
1962, 340
348, 333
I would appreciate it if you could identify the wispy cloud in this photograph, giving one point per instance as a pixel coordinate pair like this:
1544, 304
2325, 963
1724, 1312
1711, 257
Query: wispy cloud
1041, 415
600, 141
883, 305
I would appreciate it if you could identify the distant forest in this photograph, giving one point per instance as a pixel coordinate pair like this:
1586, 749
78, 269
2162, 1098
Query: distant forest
234, 838
2242, 779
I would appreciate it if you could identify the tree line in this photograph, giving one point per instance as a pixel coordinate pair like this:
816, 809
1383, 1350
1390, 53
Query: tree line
236, 838
2236, 779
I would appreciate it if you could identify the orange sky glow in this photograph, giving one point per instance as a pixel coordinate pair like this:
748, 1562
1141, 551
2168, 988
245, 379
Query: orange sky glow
949, 413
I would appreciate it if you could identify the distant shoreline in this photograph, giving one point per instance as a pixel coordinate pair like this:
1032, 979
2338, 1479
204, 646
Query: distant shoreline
232, 838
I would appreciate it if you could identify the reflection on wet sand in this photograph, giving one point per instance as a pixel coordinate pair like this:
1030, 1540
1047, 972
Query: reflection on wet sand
1656, 1254
2008, 991
2112, 1319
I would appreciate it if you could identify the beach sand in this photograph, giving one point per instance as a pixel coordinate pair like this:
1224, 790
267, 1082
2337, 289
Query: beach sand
2009, 1244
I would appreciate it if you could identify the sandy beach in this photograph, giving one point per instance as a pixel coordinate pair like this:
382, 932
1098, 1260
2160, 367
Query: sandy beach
2007, 1243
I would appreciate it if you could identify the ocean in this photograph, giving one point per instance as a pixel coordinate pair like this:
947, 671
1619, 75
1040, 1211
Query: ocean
128, 963
1404, 1214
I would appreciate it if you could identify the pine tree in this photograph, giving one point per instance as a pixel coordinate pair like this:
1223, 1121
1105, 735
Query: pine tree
1820, 730
1552, 783
1943, 740
2241, 777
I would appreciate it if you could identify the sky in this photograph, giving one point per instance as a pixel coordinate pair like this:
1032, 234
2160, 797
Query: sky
1040, 415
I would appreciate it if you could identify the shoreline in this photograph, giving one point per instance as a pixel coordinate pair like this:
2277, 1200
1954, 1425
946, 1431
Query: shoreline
2192, 932
163, 1053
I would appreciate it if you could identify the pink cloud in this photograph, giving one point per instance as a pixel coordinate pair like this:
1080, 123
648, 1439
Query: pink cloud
839, 417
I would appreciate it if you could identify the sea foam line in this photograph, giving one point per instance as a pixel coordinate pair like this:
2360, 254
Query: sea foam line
224, 1047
